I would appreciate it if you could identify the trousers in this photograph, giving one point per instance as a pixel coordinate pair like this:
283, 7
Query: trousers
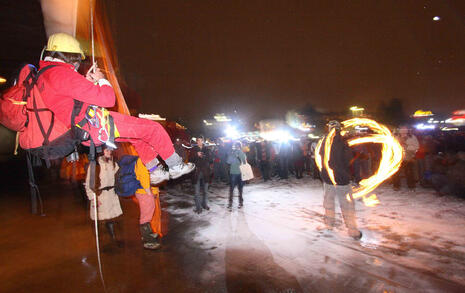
146, 206
235, 180
201, 181
148, 137
342, 192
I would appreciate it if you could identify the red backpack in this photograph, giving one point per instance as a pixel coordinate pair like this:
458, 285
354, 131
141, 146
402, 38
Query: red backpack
13, 101
23, 110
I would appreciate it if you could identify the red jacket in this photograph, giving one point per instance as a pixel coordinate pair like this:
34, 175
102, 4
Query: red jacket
61, 85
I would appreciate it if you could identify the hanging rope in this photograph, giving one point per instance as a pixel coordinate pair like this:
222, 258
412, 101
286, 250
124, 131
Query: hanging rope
92, 34
92, 156
97, 241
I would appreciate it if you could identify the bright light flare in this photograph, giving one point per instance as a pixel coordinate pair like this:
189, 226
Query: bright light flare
231, 132
356, 108
2, 80
421, 113
222, 118
277, 135
458, 120
422, 126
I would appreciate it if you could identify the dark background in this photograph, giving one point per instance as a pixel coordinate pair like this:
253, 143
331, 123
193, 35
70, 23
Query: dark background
191, 59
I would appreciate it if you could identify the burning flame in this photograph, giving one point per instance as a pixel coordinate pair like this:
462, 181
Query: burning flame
391, 157
371, 200
327, 157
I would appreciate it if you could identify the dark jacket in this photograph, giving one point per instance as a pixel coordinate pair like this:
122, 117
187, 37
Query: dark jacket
339, 161
263, 151
202, 164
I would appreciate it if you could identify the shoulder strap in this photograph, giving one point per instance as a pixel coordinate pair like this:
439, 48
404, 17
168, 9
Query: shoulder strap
29, 81
46, 135
76, 110
42, 70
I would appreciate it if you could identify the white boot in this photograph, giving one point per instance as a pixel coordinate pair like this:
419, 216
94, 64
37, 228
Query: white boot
181, 169
159, 175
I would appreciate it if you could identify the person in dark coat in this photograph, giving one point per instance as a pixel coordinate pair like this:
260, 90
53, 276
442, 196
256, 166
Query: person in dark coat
298, 158
202, 157
338, 185
264, 157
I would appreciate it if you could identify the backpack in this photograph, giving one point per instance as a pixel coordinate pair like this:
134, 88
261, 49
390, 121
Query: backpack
126, 182
13, 101
23, 110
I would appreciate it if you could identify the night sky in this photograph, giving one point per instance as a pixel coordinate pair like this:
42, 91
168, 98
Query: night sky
194, 58
191, 59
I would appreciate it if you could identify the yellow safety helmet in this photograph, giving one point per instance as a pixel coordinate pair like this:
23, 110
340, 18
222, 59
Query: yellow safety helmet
63, 42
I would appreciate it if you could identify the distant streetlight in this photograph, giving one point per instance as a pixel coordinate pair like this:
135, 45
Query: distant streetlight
436, 18
356, 111
222, 118
154, 117
2, 80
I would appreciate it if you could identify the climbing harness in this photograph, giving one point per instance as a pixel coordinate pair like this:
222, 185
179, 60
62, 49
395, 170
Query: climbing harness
100, 118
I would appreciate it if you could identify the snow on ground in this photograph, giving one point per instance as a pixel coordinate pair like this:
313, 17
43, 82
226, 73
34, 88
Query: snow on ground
412, 241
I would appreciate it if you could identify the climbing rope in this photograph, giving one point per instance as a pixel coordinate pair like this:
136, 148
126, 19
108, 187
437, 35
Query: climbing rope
92, 164
97, 241
92, 35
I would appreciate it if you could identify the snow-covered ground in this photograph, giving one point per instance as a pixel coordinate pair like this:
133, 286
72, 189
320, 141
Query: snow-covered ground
411, 241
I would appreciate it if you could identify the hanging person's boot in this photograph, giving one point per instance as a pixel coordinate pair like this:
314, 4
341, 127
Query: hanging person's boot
149, 239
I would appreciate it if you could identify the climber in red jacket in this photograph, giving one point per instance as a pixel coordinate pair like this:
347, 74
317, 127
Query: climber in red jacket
61, 84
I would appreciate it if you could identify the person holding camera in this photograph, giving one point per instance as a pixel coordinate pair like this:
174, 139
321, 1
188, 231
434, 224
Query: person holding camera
201, 156
235, 158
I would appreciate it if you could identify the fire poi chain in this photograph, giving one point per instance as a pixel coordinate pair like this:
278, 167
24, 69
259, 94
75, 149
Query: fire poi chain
391, 156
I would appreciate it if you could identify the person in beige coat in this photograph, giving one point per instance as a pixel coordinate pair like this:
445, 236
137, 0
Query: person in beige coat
108, 205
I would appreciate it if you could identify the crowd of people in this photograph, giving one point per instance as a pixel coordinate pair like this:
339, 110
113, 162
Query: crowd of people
429, 160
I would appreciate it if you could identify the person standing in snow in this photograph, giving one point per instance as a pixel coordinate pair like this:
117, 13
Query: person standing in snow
341, 189
410, 146
264, 159
313, 168
201, 156
235, 158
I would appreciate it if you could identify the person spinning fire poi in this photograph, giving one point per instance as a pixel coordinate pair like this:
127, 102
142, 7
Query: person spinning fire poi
339, 158
61, 84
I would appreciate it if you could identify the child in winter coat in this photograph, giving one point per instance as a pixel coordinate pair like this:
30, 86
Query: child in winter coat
108, 205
